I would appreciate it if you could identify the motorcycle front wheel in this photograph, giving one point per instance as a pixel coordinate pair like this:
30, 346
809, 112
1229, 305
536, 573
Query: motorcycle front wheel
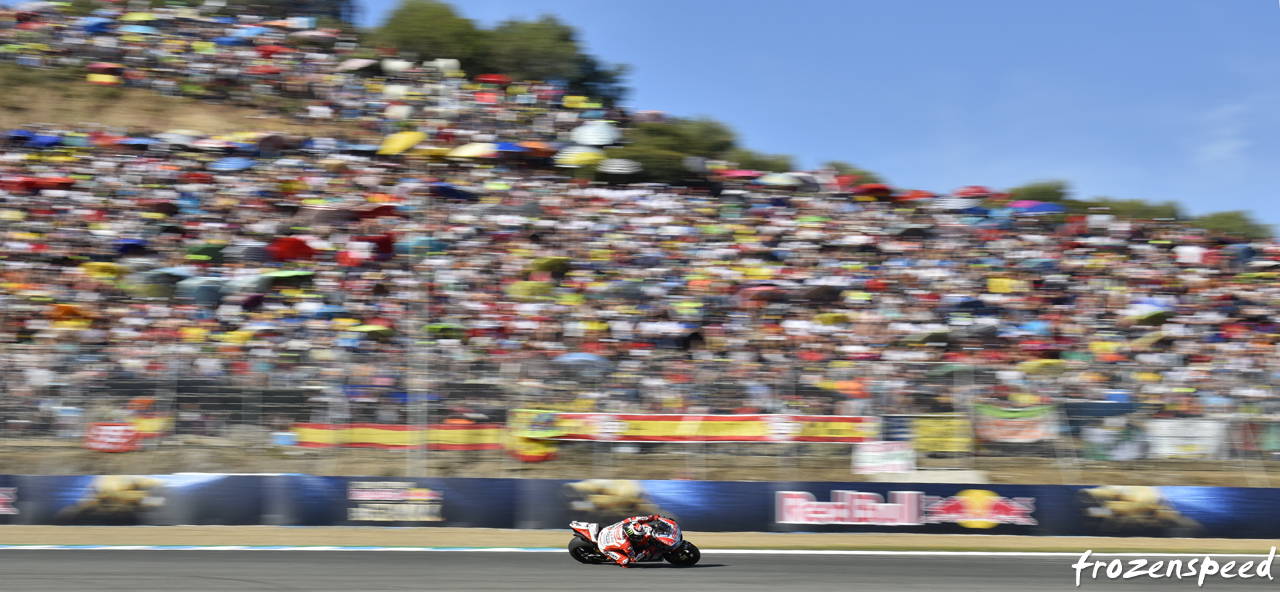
685, 555
585, 551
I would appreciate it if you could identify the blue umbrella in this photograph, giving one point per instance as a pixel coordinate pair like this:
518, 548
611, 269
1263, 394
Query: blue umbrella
1045, 208
94, 24
225, 20
138, 141
139, 30
251, 32
233, 164
230, 41
511, 147
125, 245
581, 358
43, 141
19, 133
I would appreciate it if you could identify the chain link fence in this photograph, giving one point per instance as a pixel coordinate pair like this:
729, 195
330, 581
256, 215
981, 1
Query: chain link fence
1059, 421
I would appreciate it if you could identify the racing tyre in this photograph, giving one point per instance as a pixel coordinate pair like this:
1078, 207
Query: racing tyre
585, 551
685, 555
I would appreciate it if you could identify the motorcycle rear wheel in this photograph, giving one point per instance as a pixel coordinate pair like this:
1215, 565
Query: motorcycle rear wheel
686, 555
585, 551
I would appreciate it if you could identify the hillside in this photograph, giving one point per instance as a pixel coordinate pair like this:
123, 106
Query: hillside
62, 97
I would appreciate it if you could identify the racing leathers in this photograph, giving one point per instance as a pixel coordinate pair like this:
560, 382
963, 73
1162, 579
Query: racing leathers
628, 541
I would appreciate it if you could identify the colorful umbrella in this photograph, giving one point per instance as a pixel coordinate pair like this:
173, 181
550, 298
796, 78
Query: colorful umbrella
400, 142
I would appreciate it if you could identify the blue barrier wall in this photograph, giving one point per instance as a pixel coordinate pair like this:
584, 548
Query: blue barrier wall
307, 500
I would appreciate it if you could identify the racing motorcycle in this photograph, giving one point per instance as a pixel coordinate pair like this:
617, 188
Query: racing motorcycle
669, 543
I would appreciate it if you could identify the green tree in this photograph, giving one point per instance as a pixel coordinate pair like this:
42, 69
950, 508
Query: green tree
1236, 222
544, 49
433, 30
865, 177
1047, 191
757, 161
599, 80
704, 137
660, 165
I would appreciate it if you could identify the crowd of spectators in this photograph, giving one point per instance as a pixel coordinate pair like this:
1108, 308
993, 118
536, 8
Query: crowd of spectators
269, 261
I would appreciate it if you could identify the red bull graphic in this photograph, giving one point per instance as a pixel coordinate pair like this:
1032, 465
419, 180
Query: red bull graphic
979, 508
849, 507
8, 495
971, 508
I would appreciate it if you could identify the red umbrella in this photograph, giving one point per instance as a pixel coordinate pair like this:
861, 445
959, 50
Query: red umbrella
740, 174
196, 177
104, 68
972, 191
876, 189
267, 51
846, 181
760, 293
915, 194
493, 79
289, 248
264, 70
54, 182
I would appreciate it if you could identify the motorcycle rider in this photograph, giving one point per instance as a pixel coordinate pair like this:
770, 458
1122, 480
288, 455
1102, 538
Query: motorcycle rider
630, 540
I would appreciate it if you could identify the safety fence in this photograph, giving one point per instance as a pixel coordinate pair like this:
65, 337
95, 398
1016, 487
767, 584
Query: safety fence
952, 415
780, 506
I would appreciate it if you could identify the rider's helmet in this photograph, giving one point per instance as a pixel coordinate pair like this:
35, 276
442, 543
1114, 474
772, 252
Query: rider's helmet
638, 533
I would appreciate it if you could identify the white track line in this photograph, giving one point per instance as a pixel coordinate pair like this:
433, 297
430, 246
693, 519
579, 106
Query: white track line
546, 550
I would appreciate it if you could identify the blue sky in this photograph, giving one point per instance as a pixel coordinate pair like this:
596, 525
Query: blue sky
1151, 99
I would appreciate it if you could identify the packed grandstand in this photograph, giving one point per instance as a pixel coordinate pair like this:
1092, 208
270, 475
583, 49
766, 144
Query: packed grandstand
469, 239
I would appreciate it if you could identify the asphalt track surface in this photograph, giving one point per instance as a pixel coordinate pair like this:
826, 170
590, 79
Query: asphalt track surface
351, 571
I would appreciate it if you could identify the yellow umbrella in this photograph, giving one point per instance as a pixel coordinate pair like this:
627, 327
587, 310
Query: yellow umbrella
103, 79
1043, 367
104, 269
429, 150
134, 17
474, 150
579, 157
398, 143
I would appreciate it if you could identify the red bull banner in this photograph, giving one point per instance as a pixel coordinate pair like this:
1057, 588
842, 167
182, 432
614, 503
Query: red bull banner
399, 437
970, 508
702, 428
1015, 426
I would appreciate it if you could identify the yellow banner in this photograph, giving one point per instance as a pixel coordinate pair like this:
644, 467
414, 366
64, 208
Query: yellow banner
701, 428
942, 434
437, 437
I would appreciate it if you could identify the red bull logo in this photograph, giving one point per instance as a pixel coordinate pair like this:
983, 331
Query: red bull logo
979, 508
849, 507
8, 495
971, 508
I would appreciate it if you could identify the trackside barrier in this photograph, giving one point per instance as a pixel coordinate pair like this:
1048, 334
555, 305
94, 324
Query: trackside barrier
308, 500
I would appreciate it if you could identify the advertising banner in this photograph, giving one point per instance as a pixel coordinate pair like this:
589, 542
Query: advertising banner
700, 428
732, 506
1014, 426
1185, 438
399, 437
386, 501
883, 457
111, 437
530, 433
125, 500
939, 433
9, 492
936, 508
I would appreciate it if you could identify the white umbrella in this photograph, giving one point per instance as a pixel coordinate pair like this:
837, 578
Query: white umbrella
596, 133
355, 64
619, 166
